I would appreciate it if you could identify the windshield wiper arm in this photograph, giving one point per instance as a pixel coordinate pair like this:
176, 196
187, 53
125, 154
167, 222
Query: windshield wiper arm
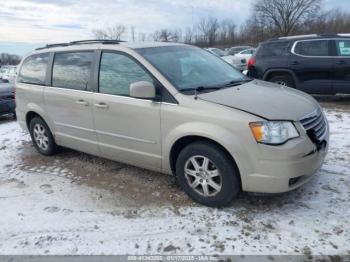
237, 83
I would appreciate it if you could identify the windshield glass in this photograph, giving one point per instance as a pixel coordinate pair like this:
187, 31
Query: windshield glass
188, 67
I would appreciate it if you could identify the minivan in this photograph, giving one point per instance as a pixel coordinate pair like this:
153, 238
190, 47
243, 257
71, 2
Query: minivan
175, 109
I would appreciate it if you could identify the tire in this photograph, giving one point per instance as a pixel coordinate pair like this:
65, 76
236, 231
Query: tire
39, 131
228, 178
286, 80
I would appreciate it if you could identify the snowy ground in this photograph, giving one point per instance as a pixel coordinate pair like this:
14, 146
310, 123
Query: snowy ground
74, 203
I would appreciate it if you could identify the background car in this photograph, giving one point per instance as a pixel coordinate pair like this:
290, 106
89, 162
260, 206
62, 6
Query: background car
245, 54
239, 63
7, 99
10, 74
315, 64
236, 49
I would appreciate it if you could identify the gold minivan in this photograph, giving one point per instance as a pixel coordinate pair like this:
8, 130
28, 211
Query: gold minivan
175, 109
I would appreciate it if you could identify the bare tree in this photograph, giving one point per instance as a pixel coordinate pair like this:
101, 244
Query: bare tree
286, 15
142, 37
208, 29
110, 33
132, 31
167, 35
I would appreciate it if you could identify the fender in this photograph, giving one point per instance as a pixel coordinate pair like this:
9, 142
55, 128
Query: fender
275, 70
32, 107
216, 133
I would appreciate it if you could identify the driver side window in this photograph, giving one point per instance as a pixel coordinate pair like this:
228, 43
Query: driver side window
117, 72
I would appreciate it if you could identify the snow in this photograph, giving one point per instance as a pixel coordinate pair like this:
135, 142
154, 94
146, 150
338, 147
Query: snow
54, 205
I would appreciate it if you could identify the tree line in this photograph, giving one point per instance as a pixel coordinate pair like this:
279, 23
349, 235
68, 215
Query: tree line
9, 59
268, 19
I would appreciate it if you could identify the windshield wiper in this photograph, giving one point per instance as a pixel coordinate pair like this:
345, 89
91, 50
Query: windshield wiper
237, 83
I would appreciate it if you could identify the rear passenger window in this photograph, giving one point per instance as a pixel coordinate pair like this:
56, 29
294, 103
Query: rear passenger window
72, 70
312, 48
33, 70
273, 49
343, 47
117, 72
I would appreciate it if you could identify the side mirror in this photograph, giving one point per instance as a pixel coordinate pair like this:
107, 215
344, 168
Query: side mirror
142, 89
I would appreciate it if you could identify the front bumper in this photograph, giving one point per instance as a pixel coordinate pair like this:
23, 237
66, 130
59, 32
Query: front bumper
282, 169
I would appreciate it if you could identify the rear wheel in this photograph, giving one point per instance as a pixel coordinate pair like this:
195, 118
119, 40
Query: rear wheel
284, 80
42, 137
207, 174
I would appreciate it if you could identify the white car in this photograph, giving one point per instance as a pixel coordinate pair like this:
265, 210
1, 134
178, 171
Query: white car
10, 74
240, 64
246, 54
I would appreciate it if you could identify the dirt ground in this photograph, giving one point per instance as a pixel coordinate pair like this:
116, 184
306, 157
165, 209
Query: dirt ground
74, 203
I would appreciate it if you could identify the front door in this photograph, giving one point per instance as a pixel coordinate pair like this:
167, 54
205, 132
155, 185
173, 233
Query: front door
69, 102
128, 129
342, 67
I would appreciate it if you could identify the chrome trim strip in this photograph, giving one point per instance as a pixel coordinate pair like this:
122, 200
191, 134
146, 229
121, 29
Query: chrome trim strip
107, 133
126, 137
316, 39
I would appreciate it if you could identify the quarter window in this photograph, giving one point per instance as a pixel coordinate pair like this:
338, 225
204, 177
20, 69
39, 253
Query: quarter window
117, 72
312, 48
343, 47
72, 70
273, 49
33, 70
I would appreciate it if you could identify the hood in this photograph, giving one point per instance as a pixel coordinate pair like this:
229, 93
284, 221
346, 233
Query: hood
264, 99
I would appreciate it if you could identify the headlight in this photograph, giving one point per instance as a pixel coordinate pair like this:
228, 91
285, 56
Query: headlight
273, 132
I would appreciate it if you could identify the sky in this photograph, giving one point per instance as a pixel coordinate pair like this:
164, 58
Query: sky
27, 24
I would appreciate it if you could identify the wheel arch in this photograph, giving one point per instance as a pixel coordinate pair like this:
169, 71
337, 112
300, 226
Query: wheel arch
273, 72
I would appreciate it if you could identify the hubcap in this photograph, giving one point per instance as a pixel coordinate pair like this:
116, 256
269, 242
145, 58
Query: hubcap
282, 83
203, 176
40, 137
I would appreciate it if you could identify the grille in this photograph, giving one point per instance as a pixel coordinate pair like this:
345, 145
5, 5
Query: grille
315, 125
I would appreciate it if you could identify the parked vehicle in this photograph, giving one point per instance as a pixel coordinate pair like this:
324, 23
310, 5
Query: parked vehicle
239, 63
7, 99
316, 64
3, 70
236, 49
9, 74
175, 109
245, 54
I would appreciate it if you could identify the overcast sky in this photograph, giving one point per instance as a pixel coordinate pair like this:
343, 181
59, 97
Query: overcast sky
26, 24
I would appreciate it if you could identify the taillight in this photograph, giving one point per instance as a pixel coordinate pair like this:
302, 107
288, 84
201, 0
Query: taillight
251, 62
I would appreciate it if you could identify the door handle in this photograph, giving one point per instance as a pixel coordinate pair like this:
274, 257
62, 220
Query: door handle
82, 102
101, 105
294, 63
341, 62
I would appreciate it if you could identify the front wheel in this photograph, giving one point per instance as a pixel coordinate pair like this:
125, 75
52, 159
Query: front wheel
207, 174
284, 80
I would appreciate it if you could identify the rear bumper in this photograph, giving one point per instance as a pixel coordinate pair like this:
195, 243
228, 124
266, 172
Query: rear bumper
7, 106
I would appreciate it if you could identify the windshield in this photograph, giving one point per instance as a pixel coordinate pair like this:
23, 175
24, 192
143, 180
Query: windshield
188, 67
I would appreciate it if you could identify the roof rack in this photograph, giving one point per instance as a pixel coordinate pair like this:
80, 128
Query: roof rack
82, 42
297, 36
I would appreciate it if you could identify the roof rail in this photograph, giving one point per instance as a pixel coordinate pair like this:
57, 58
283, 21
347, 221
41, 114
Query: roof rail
297, 36
82, 42
344, 34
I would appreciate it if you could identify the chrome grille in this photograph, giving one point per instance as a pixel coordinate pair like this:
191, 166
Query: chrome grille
315, 125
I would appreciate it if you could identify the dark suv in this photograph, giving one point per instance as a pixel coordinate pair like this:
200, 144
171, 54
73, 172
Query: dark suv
316, 64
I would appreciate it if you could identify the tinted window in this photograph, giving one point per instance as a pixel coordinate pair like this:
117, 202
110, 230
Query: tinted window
72, 70
33, 70
117, 72
312, 48
273, 49
343, 47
